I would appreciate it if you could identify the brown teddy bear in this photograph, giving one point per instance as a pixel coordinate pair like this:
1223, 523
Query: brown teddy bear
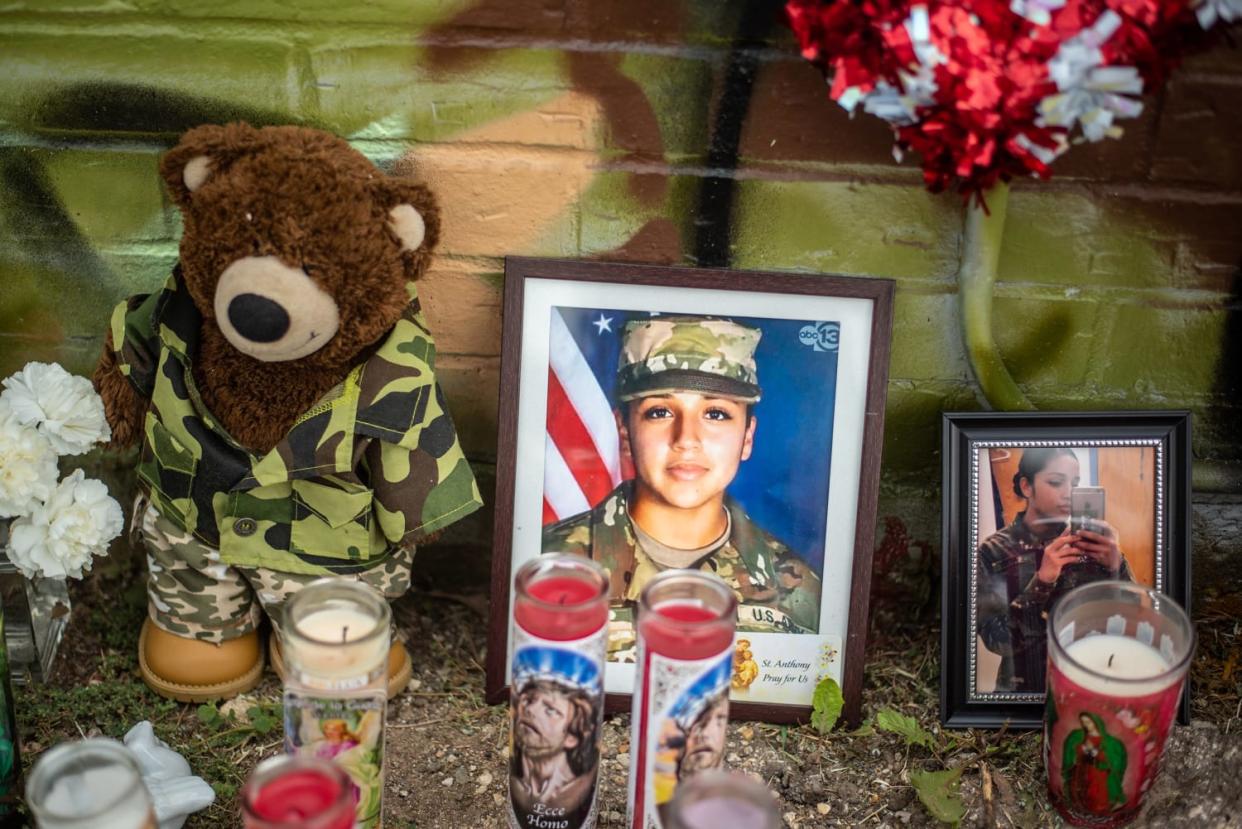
282, 385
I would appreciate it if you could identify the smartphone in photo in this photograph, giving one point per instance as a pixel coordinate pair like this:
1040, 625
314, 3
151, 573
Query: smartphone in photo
1086, 508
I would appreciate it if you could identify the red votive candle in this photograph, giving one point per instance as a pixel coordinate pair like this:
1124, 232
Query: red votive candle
287, 792
686, 620
560, 633
1118, 653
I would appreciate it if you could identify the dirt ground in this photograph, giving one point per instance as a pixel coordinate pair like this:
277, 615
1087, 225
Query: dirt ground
446, 749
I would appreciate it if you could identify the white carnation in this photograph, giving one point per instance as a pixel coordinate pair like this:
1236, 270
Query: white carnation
60, 537
27, 468
65, 408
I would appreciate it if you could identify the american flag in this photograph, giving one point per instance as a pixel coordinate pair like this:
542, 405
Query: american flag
582, 453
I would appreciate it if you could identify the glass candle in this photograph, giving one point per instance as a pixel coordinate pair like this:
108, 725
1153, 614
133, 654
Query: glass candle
89, 784
297, 793
716, 799
1118, 653
335, 639
556, 684
686, 620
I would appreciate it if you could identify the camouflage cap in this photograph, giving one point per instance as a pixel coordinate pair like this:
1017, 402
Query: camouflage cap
687, 353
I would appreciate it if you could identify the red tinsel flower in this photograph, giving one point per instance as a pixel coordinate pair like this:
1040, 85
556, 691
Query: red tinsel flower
985, 90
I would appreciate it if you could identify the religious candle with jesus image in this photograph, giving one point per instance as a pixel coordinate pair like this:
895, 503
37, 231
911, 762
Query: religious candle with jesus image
557, 687
686, 622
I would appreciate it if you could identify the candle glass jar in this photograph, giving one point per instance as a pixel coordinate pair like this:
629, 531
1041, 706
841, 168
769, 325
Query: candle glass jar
560, 635
89, 784
1118, 653
680, 704
334, 640
716, 799
297, 793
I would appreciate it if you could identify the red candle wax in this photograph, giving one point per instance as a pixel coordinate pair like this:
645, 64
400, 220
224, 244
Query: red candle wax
561, 608
676, 630
298, 797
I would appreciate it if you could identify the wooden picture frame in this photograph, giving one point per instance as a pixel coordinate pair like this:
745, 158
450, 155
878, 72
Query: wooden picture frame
990, 674
824, 345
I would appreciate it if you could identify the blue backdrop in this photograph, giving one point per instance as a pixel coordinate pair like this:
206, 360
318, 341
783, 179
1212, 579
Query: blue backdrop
784, 484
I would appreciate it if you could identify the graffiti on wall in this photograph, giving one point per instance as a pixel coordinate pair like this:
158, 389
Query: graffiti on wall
683, 132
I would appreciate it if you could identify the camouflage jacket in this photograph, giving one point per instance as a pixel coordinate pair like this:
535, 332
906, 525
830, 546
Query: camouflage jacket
373, 465
1013, 604
777, 592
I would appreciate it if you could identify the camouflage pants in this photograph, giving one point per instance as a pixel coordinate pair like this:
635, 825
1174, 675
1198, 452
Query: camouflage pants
193, 595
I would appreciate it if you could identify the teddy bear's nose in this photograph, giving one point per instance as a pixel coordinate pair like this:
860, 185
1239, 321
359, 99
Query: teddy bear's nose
258, 318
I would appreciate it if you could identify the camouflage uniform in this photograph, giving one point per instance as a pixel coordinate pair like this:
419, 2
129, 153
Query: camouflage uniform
777, 591
1016, 628
372, 468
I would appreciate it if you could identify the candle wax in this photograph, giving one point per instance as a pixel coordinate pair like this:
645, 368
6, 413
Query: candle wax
566, 608
719, 812
1118, 658
300, 795
80, 794
334, 654
675, 629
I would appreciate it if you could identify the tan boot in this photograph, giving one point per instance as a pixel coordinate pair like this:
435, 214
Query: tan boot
190, 670
400, 668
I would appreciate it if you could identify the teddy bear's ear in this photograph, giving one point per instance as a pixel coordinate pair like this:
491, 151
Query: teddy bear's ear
201, 152
413, 217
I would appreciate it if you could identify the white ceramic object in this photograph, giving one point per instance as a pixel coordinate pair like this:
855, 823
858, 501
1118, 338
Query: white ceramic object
175, 792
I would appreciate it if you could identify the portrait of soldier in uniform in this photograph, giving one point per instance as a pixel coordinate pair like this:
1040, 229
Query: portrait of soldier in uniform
685, 398
555, 734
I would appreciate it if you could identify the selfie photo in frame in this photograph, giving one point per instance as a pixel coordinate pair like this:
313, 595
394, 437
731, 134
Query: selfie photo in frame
1036, 504
656, 417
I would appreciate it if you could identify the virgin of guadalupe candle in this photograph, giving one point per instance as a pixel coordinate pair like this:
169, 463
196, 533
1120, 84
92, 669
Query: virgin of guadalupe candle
717, 799
89, 784
297, 793
560, 629
686, 620
335, 639
1118, 653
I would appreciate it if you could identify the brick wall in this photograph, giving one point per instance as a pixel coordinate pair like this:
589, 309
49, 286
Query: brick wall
591, 128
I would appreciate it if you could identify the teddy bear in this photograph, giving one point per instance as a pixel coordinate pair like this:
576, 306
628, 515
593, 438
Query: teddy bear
282, 386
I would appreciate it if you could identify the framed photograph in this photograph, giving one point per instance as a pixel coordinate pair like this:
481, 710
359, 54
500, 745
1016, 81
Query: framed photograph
1036, 504
729, 421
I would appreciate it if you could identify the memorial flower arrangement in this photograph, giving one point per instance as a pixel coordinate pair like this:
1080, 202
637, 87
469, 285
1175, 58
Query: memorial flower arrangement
58, 525
989, 90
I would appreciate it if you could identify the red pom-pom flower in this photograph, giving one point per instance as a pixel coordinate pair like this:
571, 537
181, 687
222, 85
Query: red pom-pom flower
986, 90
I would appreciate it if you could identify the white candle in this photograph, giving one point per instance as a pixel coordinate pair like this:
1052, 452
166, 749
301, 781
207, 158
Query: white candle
88, 783
82, 794
1117, 666
336, 643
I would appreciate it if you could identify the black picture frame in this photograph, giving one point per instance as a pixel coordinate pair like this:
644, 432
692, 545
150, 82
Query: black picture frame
965, 435
741, 287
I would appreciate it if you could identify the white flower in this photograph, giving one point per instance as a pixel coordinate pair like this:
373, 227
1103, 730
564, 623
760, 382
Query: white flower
60, 537
27, 467
65, 408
